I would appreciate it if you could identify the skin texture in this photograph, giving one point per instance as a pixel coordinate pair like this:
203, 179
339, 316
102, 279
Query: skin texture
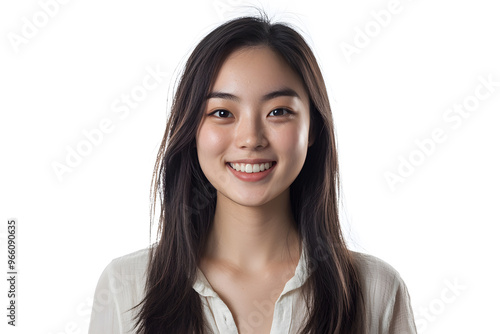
253, 247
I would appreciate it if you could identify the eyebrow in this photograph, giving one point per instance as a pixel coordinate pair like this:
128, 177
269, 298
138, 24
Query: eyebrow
267, 97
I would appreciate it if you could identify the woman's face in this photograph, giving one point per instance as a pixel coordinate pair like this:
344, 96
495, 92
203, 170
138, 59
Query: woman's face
258, 109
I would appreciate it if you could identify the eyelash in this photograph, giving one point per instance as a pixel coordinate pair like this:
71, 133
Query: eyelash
285, 109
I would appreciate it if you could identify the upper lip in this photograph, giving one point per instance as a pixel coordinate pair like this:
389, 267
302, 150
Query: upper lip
252, 161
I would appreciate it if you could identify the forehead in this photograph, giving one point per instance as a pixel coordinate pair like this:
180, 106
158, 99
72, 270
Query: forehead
256, 71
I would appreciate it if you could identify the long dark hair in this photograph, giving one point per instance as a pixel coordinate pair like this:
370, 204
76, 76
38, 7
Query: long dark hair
333, 290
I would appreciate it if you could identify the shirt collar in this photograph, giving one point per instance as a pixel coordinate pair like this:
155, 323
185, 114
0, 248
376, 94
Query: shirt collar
203, 287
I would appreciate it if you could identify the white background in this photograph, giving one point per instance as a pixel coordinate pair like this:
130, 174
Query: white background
438, 227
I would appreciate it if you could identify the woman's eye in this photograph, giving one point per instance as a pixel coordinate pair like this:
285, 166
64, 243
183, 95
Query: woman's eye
280, 112
222, 113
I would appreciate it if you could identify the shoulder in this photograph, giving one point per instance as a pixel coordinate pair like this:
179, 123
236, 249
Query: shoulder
386, 297
119, 289
380, 280
130, 264
374, 270
126, 274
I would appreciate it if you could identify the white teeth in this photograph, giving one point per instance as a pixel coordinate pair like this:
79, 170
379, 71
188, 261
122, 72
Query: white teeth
250, 168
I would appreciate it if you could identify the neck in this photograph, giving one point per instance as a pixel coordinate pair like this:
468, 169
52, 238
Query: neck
250, 239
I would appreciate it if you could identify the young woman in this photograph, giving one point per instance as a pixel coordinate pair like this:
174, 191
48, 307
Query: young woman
249, 238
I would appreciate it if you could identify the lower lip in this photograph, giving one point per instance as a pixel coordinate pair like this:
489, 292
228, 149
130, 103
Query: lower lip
251, 177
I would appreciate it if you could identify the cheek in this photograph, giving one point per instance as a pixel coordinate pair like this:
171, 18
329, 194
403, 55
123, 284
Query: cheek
209, 142
293, 141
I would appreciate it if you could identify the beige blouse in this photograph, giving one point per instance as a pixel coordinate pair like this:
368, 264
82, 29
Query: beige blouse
121, 286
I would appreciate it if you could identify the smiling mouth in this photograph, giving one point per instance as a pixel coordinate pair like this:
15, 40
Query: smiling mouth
251, 168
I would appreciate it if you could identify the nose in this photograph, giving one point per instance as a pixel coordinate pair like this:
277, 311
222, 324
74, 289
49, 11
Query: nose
251, 133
